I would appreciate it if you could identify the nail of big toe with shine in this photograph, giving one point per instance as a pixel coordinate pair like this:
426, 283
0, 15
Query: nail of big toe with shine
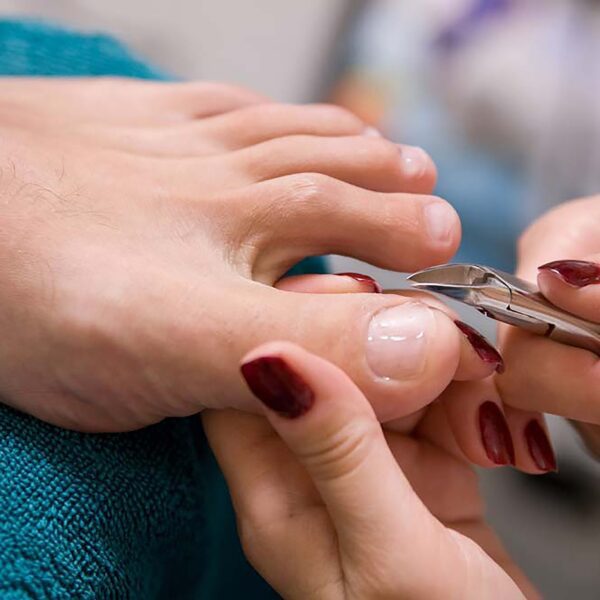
397, 340
278, 386
578, 273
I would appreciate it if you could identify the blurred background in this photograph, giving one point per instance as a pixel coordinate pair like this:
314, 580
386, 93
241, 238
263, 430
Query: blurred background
504, 94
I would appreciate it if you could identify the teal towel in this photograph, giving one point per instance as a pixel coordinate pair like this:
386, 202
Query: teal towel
136, 515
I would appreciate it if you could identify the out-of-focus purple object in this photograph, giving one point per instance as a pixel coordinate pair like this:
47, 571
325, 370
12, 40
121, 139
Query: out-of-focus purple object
451, 37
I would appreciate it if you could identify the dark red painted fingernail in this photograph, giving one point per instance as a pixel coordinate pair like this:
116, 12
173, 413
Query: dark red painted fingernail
369, 281
484, 349
539, 447
495, 435
577, 273
278, 386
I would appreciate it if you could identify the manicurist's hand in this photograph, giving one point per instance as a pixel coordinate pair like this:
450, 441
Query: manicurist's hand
562, 252
144, 225
331, 507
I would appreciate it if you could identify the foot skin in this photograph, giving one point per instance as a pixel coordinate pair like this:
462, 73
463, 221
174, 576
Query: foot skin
144, 225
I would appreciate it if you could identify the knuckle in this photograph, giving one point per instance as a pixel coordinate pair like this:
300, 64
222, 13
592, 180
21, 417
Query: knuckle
286, 206
341, 452
307, 189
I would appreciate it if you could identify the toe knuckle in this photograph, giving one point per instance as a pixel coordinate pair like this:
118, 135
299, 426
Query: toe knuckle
307, 188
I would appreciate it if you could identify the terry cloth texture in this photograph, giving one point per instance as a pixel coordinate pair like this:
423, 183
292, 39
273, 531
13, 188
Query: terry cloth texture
134, 515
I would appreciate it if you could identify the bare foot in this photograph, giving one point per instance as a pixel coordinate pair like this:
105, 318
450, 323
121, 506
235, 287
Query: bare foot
144, 225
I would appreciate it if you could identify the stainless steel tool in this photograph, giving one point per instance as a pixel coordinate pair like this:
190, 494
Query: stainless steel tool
508, 299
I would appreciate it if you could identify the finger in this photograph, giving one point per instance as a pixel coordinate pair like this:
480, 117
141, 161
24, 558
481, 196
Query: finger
432, 448
555, 378
275, 502
311, 214
371, 163
476, 416
541, 374
332, 431
573, 285
478, 358
567, 231
491, 434
561, 249
262, 476
533, 448
486, 537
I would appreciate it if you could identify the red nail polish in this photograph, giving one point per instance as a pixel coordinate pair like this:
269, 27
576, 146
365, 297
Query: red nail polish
278, 386
540, 447
375, 287
577, 273
495, 435
484, 349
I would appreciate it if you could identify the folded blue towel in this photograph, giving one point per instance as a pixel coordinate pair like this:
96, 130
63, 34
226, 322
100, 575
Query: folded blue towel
136, 515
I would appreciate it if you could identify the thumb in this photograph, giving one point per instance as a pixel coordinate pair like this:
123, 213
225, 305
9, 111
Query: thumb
387, 538
569, 231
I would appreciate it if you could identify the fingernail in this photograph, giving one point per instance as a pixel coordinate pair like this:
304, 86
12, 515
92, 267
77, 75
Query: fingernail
577, 273
484, 349
370, 283
440, 220
372, 132
540, 447
495, 435
397, 340
278, 386
415, 160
